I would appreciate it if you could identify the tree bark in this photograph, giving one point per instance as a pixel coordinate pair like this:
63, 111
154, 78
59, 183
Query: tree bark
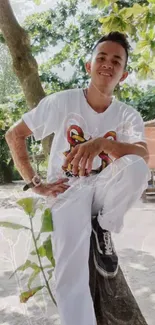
113, 300
24, 64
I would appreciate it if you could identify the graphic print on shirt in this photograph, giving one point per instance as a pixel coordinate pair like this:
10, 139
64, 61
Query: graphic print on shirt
75, 136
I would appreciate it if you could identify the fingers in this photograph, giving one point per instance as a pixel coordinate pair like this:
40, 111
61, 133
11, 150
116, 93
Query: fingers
61, 180
90, 163
52, 189
57, 189
77, 158
83, 164
70, 156
75, 164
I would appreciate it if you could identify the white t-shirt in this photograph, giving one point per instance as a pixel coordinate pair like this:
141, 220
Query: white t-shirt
72, 119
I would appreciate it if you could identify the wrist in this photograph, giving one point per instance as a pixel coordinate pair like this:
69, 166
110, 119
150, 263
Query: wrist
38, 189
105, 145
34, 183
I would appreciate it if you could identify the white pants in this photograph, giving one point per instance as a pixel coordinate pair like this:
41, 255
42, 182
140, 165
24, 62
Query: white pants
115, 190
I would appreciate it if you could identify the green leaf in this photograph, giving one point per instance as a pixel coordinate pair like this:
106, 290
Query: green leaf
30, 205
25, 266
152, 64
126, 12
47, 222
142, 46
138, 9
47, 244
115, 8
37, 2
100, 3
46, 250
104, 20
33, 276
12, 225
151, 34
24, 297
41, 251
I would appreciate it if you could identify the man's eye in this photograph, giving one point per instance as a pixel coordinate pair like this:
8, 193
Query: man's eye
116, 62
101, 58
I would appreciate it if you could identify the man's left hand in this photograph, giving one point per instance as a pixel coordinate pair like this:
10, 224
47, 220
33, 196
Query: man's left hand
81, 157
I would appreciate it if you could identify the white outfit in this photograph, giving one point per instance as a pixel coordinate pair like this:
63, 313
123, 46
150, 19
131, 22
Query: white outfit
114, 189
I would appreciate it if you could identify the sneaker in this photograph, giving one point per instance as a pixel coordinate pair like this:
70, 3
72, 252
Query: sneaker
105, 257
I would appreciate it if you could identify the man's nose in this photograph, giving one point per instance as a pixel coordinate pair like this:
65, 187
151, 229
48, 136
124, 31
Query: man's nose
107, 65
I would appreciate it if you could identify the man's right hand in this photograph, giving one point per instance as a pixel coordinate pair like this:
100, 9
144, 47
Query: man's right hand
52, 189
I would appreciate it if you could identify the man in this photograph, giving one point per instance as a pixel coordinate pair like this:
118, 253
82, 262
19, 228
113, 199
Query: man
99, 145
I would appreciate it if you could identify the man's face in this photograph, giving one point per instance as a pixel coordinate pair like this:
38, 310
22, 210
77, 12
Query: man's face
107, 67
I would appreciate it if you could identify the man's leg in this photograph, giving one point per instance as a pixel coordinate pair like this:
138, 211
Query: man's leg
117, 188
71, 243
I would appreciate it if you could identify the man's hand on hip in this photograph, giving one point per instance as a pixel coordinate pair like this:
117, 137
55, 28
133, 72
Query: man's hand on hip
52, 189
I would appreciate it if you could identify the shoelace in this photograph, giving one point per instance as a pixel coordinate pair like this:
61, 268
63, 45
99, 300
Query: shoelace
108, 243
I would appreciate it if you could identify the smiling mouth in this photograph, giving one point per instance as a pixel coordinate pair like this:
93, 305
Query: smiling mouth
105, 74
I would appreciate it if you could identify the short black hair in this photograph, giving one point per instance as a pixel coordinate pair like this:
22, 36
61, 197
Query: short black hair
116, 37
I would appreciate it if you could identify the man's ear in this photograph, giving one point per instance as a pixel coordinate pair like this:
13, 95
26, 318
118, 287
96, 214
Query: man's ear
125, 75
88, 67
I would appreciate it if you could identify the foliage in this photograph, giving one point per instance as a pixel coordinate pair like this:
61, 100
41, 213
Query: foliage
31, 206
73, 31
15, 176
9, 84
137, 21
142, 100
146, 104
10, 112
5, 122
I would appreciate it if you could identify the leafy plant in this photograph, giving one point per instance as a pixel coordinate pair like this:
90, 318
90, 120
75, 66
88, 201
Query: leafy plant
10, 112
30, 206
136, 19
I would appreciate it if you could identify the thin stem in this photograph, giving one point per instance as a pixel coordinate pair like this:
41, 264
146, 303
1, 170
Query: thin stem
47, 284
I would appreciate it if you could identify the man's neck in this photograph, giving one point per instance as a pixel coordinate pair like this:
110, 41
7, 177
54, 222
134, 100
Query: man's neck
98, 99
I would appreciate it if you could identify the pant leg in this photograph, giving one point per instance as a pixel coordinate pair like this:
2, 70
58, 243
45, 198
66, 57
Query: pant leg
71, 244
117, 188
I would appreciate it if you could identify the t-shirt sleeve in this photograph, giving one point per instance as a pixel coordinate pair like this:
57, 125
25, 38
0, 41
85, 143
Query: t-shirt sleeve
45, 118
132, 129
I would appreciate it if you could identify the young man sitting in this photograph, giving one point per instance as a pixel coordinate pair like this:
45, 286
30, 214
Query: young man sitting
97, 170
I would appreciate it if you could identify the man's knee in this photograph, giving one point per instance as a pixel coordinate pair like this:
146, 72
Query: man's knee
138, 169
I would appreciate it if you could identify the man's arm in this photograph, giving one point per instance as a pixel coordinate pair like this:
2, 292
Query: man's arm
16, 139
119, 149
82, 155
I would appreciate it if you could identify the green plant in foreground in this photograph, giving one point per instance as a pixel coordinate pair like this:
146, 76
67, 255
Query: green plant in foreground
30, 206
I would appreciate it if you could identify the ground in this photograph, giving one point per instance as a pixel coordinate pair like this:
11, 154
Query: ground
135, 246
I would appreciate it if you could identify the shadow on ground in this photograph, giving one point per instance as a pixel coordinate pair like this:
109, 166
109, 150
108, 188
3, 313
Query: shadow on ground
39, 310
139, 270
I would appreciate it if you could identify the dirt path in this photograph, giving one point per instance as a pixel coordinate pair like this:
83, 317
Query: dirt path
135, 246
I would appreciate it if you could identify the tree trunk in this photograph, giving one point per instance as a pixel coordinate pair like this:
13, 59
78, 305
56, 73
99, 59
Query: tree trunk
24, 64
113, 300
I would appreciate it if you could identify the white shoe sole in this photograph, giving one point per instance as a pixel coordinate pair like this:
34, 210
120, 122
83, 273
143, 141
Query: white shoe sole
103, 272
